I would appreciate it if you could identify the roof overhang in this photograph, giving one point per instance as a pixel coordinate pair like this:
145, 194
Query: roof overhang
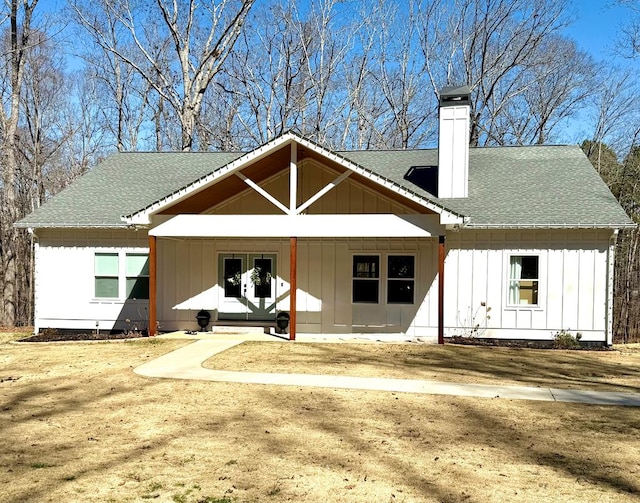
143, 216
310, 226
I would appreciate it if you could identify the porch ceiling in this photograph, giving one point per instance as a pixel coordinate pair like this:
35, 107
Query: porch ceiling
269, 226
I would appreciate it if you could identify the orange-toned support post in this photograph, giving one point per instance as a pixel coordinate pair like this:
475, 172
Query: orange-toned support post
153, 316
441, 255
293, 281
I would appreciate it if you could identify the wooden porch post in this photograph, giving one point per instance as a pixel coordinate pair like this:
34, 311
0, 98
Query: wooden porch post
441, 255
153, 316
293, 281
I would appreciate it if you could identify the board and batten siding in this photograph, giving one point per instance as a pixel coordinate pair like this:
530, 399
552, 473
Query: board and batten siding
65, 282
347, 197
573, 283
188, 281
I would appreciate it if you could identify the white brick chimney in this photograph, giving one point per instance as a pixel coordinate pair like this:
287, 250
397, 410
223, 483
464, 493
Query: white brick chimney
453, 142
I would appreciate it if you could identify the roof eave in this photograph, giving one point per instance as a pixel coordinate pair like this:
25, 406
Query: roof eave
41, 225
551, 226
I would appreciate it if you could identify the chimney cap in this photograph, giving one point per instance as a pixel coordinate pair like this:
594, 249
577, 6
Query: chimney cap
454, 96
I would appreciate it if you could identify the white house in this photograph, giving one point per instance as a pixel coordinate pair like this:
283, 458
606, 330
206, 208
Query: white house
505, 242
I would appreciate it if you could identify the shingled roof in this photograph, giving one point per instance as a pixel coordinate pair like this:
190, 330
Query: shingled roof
509, 187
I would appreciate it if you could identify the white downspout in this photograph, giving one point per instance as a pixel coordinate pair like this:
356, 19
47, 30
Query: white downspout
35, 248
611, 252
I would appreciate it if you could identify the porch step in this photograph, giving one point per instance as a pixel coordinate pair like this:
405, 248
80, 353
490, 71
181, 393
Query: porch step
262, 328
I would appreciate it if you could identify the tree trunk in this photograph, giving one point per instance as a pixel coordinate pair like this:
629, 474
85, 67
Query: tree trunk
20, 33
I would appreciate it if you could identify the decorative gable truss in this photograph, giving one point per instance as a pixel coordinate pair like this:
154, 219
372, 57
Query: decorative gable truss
289, 219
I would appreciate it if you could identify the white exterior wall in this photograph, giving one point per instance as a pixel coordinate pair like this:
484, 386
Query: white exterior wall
188, 282
64, 280
573, 283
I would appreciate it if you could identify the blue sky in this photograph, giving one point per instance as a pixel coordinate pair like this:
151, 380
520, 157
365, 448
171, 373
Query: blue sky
595, 26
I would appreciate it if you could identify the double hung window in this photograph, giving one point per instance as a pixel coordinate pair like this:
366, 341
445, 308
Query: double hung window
137, 271
106, 271
400, 279
366, 279
524, 277
111, 270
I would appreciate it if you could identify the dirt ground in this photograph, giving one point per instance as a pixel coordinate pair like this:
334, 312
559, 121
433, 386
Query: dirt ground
78, 425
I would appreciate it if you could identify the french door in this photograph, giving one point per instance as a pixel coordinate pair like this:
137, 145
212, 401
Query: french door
248, 282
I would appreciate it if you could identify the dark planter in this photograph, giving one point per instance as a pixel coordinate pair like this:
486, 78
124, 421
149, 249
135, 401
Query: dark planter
203, 317
282, 322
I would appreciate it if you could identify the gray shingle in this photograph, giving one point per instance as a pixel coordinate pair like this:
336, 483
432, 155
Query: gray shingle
508, 186
536, 186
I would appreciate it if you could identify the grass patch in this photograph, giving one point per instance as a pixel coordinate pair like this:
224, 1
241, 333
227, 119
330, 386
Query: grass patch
126, 438
617, 370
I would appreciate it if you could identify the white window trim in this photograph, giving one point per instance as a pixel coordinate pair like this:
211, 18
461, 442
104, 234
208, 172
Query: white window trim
541, 281
387, 278
383, 277
378, 279
122, 274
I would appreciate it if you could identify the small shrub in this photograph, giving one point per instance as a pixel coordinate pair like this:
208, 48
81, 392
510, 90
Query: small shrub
566, 340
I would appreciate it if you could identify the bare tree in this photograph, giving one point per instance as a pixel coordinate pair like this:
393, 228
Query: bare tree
629, 34
20, 34
399, 78
201, 34
556, 84
489, 46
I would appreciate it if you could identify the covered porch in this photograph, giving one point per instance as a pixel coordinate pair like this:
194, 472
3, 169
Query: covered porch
293, 227
315, 256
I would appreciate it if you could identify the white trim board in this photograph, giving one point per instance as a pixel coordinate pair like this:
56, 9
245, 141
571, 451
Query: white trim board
267, 226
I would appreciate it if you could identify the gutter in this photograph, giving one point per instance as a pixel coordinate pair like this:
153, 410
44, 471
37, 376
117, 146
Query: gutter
615, 226
32, 225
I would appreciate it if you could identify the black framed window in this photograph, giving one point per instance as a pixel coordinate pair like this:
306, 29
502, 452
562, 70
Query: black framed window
366, 279
400, 279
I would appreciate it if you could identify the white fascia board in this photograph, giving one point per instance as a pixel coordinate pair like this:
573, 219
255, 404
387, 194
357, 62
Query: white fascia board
312, 226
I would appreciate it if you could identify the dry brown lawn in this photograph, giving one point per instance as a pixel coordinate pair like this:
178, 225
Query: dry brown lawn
78, 425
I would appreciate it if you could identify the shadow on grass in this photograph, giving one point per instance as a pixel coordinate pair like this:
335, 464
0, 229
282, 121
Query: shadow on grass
106, 429
482, 365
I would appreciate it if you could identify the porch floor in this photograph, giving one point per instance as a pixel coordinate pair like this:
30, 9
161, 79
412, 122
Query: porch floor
259, 333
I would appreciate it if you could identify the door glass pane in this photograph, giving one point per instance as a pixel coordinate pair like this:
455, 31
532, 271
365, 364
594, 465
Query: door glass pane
233, 277
261, 277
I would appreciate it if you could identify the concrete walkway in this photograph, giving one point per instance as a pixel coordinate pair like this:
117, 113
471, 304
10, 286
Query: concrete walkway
186, 363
